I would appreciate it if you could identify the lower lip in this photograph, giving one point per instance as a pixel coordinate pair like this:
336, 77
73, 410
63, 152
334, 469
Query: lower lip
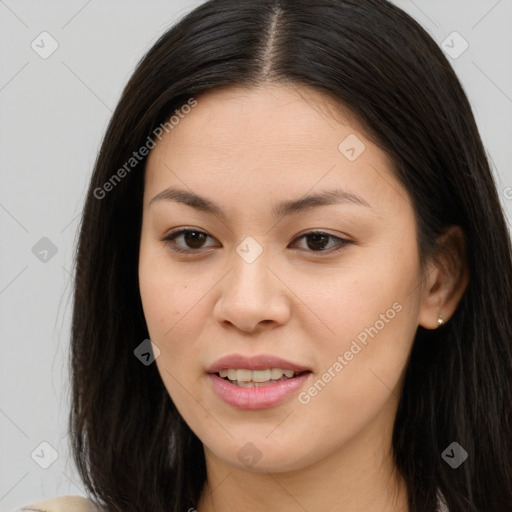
260, 397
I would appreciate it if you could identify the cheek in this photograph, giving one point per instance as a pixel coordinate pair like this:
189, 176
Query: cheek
166, 293
371, 309
166, 298
175, 305
352, 297
159, 300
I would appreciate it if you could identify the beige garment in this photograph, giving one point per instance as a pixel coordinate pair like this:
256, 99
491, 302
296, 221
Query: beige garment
63, 504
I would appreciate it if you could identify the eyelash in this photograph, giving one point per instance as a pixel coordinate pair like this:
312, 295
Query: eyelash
170, 241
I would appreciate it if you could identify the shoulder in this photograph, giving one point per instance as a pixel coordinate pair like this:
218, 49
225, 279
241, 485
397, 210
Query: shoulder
61, 504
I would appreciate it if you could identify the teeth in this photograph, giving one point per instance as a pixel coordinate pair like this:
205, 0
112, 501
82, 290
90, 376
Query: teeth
245, 384
260, 375
243, 375
276, 373
251, 377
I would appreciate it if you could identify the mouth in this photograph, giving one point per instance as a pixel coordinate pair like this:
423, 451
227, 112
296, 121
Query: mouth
258, 381
258, 378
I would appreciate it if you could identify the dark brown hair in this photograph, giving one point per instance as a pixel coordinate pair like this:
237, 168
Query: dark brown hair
132, 448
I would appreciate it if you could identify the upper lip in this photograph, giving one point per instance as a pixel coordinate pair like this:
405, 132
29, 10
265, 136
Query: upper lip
258, 362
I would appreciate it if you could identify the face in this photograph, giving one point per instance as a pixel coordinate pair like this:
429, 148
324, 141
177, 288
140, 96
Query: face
329, 285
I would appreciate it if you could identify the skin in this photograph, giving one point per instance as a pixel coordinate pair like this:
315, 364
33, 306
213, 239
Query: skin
246, 150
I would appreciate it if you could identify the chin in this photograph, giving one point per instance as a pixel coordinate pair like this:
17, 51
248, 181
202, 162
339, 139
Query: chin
260, 453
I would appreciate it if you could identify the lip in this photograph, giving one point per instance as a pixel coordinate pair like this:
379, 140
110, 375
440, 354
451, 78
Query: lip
258, 362
261, 397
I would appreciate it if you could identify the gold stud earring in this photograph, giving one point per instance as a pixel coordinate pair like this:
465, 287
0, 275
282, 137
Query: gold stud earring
440, 320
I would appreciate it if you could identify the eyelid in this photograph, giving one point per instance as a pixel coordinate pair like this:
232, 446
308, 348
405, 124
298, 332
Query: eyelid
341, 242
171, 236
169, 239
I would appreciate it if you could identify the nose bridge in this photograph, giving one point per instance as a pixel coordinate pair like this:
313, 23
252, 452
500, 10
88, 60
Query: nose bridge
249, 275
251, 293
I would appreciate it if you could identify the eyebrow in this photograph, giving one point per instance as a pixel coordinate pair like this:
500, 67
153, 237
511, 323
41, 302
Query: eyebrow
285, 208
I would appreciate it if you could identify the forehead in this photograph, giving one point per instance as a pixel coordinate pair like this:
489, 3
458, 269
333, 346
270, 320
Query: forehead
268, 140
268, 115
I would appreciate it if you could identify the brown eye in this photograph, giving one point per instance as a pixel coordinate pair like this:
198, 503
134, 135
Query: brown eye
191, 240
194, 239
318, 241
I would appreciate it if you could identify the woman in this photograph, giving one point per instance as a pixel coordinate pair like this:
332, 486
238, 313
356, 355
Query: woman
293, 280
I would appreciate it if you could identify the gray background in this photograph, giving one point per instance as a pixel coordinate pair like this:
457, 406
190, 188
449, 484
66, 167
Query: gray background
53, 115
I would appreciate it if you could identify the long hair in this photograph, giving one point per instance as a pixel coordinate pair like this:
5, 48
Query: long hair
133, 450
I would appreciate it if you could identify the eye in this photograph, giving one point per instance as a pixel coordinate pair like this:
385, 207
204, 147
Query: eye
318, 241
194, 239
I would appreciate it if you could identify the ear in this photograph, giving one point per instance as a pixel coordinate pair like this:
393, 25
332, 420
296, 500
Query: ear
446, 279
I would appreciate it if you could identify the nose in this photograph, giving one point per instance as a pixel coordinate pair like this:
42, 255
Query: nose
252, 296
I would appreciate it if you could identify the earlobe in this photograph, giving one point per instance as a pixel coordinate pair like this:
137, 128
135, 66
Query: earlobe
446, 281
